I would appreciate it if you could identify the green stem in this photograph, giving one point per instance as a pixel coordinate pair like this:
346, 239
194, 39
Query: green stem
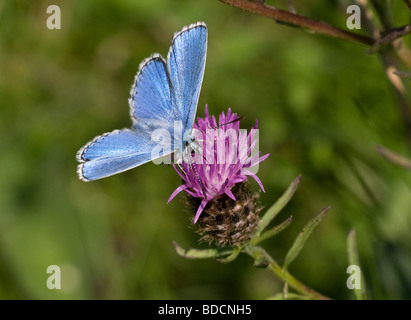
257, 253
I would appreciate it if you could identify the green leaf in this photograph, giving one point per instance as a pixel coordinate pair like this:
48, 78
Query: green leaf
234, 254
278, 205
353, 259
272, 232
303, 237
201, 254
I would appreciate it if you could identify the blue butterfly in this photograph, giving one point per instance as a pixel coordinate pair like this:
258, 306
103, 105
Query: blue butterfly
163, 105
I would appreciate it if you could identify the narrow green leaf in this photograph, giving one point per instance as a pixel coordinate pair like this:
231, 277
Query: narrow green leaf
272, 232
394, 157
234, 254
353, 259
278, 205
201, 254
302, 238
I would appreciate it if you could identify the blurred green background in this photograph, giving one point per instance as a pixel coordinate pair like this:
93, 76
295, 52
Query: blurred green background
323, 105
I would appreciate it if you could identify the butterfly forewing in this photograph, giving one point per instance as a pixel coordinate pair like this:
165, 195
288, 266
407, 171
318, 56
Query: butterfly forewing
151, 94
186, 63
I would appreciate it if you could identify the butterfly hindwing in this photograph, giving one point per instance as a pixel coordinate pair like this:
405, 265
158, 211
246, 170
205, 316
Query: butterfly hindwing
112, 153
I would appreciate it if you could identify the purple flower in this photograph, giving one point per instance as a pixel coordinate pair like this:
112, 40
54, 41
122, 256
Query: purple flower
222, 156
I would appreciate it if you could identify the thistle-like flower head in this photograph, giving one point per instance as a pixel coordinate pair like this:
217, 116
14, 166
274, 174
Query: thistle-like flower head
219, 156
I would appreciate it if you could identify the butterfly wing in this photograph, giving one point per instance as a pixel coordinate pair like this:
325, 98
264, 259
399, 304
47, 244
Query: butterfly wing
152, 97
152, 108
186, 63
112, 153
161, 95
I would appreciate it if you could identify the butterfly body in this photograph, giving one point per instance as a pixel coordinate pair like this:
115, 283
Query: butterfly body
163, 103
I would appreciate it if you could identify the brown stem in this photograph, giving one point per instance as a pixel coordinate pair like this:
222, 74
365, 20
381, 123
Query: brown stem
390, 36
403, 74
394, 157
300, 21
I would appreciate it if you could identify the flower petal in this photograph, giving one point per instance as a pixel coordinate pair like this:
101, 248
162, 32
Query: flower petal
248, 173
263, 157
230, 194
177, 191
179, 172
200, 209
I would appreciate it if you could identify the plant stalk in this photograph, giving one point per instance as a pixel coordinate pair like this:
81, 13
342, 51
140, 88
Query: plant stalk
257, 253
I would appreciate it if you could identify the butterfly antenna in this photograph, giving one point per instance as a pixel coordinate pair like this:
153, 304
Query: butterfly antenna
224, 124
194, 170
